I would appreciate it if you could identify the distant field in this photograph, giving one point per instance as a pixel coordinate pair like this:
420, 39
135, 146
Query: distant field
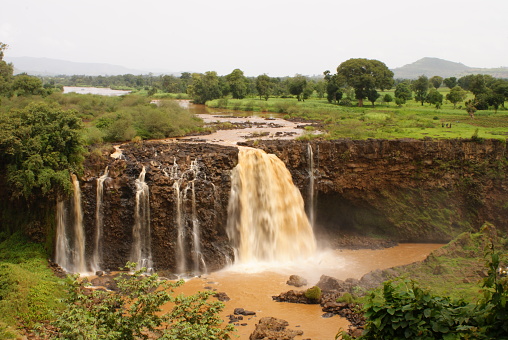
384, 120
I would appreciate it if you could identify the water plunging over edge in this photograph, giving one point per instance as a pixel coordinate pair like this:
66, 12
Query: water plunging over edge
97, 254
266, 214
141, 233
62, 248
78, 253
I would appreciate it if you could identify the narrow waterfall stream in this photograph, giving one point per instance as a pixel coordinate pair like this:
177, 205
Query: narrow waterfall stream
78, 255
141, 233
62, 248
266, 214
311, 193
97, 252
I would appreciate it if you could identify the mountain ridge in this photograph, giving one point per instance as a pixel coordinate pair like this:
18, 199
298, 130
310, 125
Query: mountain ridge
430, 66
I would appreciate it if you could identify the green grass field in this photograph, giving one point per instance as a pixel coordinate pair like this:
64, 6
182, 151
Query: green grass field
384, 120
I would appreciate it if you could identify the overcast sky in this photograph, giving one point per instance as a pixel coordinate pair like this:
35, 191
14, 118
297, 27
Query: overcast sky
276, 37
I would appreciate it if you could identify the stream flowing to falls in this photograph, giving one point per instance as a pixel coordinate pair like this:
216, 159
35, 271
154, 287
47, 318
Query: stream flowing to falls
266, 214
141, 233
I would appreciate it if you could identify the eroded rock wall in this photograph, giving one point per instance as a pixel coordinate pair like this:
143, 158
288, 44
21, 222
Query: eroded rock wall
165, 163
408, 190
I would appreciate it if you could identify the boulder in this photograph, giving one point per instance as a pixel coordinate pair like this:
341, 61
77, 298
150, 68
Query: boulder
297, 281
270, 328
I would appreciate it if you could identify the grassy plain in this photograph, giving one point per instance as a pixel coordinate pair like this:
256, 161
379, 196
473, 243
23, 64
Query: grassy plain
384, 120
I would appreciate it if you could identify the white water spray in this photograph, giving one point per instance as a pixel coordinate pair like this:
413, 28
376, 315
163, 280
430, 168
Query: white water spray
62, 248
266, 214
78, 250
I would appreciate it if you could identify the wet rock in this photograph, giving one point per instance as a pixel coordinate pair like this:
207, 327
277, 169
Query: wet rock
294, 296
106, 281
221, 296
241, 311
328, 283
297, 281
270, 328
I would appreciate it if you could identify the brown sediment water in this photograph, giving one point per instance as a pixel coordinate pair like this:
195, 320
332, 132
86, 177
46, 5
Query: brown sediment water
252, 285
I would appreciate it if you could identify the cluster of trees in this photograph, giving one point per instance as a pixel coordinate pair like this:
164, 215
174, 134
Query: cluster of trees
487, 90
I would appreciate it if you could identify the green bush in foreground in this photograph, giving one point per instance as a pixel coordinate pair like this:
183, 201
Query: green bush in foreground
134, 312
405, 311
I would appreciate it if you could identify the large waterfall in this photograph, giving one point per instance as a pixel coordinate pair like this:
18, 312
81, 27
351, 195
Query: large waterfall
266, 214
141, 233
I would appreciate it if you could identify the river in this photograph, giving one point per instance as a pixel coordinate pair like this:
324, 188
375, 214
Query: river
251, 286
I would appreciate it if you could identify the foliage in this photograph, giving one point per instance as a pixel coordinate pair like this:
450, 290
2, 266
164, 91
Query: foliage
456, 95
403, 91
365, 75
237, 83
436, 81
313, 293
334, 83
135, 311
204, 87
29, 291
420, 87
264, 86
450, 82
297, 86
41, 145
404, 310
6, 71
434, 97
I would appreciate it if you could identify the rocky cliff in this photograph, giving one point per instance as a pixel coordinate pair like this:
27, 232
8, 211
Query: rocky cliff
171, 171
406, 190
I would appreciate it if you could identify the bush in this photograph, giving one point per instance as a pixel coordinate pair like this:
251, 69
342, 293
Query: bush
313, 293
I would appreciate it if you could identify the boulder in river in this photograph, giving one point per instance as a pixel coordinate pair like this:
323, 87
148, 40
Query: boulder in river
270, 328
297, 281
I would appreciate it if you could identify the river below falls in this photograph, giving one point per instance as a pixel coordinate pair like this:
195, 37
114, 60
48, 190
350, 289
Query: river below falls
251, 286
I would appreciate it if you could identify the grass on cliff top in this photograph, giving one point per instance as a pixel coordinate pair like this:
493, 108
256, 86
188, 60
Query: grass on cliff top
384, 120
29, 290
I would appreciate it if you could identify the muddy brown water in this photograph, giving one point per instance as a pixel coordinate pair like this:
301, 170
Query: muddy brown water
251, 286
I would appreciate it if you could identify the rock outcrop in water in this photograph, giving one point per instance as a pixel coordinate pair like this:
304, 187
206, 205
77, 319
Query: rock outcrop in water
405, 190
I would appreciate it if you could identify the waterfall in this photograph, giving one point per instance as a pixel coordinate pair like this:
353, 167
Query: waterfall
311, 194
78, 250
141, 233
182, 202
97, 254
62, 249
266, 214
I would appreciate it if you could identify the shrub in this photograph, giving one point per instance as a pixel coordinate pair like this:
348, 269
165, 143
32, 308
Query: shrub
313, 293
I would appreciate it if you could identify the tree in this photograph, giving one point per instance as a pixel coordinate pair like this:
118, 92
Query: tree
264, 86
320, 88
6, 71
134, 311
434, 98
297, 85
373, 95
204, 87
237, 84
436, 81
420, 87
456, 95
365, 75
403, 93
387, 98
450, 82
334, 84
41, 145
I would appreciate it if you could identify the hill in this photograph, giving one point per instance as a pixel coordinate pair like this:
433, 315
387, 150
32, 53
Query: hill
53, 67
444, 68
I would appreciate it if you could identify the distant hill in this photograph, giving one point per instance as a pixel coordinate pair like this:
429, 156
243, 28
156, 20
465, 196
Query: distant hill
444, 68
53, 67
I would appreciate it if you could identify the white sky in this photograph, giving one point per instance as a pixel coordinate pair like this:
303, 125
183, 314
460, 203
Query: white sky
276, 37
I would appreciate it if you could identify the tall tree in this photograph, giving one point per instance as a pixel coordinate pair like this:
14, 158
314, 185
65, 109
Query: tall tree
450, 82
365, 75
434, 98
264, 86
6, 71
420, 86
204, 87
436, 81
297, 85
334, 85
456, 95
403, 92
237, 84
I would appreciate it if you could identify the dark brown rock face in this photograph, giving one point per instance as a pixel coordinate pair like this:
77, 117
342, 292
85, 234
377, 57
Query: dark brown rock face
270, 328
407, 190
168, 171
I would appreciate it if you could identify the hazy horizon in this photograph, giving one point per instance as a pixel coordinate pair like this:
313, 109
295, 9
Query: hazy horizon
279, 38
